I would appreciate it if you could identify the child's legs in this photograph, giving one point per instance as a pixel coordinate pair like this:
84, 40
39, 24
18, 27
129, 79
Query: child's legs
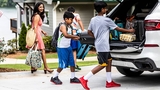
72, 69
97, 69
59, 69
102, 58
108, 68
74, 45
71, 61
75, 56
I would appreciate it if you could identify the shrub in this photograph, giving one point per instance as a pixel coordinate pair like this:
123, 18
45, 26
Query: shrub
22, 38
12, 44
47, 43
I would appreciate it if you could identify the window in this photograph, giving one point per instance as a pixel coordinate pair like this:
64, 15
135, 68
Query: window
46, 18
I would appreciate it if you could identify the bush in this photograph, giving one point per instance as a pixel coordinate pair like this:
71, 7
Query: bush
47, 43
22, 38
12, 44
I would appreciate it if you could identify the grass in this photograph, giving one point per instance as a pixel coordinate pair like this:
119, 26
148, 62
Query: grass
52, 55
23, 67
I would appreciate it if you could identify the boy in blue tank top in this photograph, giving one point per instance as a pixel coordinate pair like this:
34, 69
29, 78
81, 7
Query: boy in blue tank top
64, 50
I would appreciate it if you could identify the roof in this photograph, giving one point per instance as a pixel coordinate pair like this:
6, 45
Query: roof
83, 0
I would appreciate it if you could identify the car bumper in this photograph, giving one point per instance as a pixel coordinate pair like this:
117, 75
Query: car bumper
144, 64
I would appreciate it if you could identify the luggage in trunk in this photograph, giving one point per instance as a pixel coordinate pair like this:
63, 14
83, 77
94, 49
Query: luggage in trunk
139, 30
116, 34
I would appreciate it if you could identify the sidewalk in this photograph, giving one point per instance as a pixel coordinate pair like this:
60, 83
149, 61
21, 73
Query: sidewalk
24, 80
22, 61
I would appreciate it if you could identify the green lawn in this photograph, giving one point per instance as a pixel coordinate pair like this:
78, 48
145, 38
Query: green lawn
53, 55
24, 67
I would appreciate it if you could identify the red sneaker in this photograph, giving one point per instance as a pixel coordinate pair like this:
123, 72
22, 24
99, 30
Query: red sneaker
112, 84
84, 83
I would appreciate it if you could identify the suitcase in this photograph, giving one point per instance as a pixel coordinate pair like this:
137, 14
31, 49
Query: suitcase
83, 50
85, 38
116, 34
139, 30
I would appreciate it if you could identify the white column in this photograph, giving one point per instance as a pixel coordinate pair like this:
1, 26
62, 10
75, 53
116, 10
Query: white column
54, 19
25, 15
54, 15
30, 14
18, 18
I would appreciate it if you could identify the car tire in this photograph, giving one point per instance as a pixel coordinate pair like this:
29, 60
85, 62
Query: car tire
128, 72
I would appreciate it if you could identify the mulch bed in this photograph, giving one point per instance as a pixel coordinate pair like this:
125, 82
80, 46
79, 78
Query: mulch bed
8, 70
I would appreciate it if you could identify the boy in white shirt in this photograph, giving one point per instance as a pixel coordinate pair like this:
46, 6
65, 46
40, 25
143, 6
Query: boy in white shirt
64, 50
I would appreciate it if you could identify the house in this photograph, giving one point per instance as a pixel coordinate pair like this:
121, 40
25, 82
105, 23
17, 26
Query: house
54, 10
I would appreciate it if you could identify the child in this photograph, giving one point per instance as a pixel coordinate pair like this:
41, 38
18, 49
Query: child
99, 29
76, 22
64, 50
129, 22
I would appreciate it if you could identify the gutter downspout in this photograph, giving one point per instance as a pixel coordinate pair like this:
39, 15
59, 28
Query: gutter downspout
54, 15
58, 2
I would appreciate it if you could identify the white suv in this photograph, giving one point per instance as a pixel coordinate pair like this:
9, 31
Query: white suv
143, 54
133, 58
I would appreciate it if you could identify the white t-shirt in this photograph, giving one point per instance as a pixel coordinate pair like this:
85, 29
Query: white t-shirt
75, 21
100, 27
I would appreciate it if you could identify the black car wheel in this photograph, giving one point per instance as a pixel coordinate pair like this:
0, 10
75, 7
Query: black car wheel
129, 72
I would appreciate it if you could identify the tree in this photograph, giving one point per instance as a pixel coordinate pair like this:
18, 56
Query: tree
22, 38
7, 3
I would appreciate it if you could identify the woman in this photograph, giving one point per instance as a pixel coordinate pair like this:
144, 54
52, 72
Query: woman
36, 20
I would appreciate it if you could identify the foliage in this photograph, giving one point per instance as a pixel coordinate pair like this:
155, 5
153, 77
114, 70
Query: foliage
7, 3
47, 43
12, 44
1, 50
22, 38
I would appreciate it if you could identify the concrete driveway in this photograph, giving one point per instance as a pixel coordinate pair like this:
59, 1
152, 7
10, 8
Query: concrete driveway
40, 81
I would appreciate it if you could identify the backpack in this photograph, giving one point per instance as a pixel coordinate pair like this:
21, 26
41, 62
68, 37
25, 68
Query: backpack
55, 35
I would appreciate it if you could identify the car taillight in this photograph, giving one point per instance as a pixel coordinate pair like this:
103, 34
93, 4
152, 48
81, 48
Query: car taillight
151, 25
151, 45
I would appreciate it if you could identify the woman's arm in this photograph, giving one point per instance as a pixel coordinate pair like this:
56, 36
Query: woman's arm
44, 32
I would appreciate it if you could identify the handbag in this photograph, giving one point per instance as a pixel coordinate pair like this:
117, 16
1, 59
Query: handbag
30, 37
34, 58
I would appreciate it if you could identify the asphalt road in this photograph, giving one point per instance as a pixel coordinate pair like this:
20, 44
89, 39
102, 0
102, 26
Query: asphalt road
40, 81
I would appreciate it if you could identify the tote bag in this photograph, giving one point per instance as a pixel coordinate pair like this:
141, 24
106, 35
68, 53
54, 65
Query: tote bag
30, 37
34, 58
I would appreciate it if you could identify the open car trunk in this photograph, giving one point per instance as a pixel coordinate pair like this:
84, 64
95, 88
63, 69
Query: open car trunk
140, 9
